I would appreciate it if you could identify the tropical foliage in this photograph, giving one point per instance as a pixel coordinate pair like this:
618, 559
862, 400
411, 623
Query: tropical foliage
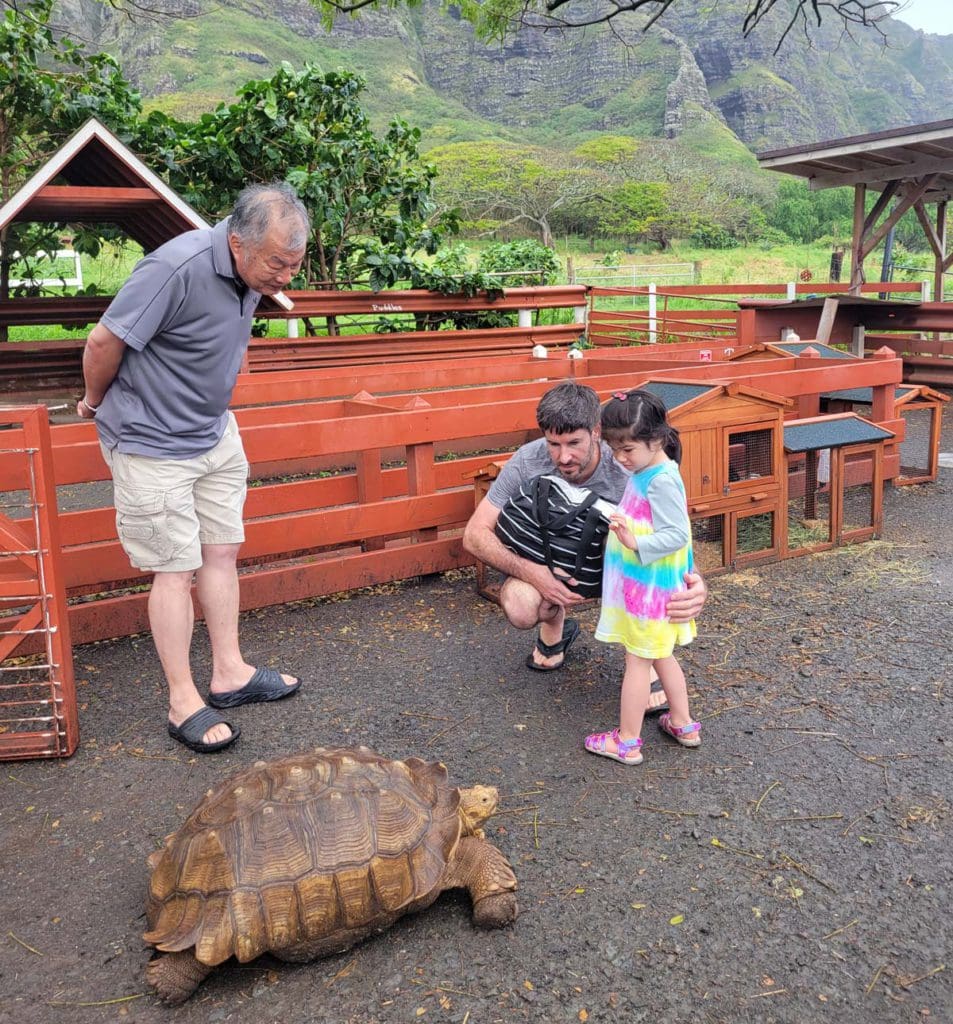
48, 88
369, 194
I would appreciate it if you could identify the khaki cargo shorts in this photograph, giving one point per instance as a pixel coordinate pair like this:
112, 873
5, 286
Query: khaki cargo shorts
166, 509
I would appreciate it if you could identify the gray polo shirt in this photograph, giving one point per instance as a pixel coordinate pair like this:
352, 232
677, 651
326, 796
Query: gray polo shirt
533, 458
186, 319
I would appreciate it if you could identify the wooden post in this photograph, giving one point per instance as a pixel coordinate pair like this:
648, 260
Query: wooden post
421, 480
746, 327
370, 488
809, 404
826, 325
882, 395
837, 484
856, 245
858, 340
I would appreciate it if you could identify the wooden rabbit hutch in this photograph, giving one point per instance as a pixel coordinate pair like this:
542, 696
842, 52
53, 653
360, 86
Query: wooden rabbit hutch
833, 489
921, 408
733, 468
761, 488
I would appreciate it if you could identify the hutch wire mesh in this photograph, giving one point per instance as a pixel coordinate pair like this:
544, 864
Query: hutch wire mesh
708, 543
756, 534
916, 446
809, 500
750, 454
858, 495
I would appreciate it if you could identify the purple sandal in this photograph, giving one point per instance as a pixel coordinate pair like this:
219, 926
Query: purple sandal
686, 735
597, 744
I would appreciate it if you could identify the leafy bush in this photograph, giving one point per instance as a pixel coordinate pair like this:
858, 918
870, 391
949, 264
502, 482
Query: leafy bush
540, 263
713, 236
772, 237
911, 266
453, 259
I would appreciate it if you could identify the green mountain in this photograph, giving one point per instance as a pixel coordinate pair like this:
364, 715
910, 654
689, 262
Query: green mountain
690, 75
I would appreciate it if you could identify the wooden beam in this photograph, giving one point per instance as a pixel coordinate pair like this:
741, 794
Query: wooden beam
911, 193
77, 202
941, 262
931, 235
872, 175
880, 205
828, 313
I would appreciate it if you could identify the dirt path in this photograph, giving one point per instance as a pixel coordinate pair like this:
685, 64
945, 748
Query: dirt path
794, 869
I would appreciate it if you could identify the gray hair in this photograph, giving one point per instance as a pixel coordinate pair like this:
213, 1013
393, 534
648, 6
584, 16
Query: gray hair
259, 208
568, 407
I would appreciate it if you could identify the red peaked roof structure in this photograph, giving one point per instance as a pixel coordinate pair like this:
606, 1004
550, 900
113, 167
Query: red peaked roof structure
99, 180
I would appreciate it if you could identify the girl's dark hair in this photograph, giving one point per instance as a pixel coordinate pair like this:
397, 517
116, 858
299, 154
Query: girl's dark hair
640, 416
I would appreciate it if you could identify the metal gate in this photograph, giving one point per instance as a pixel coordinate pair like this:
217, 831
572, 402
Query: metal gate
38, 715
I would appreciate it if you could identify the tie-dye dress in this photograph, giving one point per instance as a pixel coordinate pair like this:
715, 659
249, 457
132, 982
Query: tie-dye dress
636, 585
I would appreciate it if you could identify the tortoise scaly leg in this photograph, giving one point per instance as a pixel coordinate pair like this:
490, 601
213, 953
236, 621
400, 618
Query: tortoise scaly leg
175, 976
480, 867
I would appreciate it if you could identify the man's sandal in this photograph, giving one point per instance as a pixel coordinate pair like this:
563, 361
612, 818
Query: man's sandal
570, 632
191, 732
687, 735
626, 751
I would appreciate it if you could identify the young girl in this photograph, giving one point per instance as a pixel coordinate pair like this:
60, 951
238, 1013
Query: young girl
648, 552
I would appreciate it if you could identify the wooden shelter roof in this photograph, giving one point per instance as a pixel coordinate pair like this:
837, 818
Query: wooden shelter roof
99, 180
874, 159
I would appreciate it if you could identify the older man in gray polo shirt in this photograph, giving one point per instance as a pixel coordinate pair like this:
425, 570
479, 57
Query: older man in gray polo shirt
159, 370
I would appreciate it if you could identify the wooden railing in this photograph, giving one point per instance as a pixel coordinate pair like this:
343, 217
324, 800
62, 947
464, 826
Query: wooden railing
400, 458
41, 366
662, 322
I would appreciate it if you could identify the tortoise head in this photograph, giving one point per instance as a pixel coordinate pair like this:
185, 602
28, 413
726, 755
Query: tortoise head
477, 803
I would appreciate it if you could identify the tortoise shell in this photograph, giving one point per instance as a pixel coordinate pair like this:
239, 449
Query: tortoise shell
303, 853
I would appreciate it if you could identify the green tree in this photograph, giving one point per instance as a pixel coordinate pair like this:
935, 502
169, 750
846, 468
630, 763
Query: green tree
497, 185
806, 216
48, 89
369, 196
609, 151
636, 210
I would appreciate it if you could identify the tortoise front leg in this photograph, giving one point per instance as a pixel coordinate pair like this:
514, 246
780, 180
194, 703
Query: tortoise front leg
480, 867
175, 976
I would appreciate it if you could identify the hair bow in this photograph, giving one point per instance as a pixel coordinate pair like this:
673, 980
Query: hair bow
621, 395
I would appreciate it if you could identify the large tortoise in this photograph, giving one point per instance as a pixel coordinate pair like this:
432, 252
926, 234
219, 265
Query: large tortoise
306, 855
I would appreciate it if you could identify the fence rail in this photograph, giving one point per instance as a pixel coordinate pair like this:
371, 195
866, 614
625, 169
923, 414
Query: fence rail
396, 489
660, 321
642, 274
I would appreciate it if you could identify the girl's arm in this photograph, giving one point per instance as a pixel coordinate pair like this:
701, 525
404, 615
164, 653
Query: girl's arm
671, 528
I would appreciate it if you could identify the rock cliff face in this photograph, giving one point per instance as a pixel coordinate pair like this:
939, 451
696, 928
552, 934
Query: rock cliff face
687, 99
554, 86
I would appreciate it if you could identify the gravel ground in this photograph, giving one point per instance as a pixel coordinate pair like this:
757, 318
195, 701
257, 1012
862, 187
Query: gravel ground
796, 868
